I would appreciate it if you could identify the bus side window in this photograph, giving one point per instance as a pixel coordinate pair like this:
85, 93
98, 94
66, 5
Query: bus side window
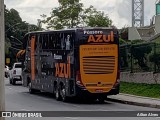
62, 38
58, 41
52, 42
69, 37
36, 42
40, 42
43, 42
46, 46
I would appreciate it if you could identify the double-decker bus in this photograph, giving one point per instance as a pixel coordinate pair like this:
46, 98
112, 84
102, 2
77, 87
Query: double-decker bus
80, 62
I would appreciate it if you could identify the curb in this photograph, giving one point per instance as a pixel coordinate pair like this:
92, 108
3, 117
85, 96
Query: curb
133, 103
140, 96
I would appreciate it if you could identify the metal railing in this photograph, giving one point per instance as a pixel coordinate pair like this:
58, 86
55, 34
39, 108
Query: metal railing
140, 58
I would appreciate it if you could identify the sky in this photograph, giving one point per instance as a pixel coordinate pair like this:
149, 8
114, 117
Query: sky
119, 11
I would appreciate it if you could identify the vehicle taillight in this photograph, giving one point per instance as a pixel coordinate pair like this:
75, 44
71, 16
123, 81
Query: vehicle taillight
14, 72
78, 78
118, 80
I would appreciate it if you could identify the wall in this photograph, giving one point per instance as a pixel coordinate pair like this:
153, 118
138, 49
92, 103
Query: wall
133, 34
146, 77
157, 25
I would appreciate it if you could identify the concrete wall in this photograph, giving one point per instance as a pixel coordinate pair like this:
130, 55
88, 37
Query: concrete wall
133, 34
157, 23
146, 77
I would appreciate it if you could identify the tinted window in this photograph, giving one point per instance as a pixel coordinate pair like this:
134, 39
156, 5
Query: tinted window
18, 66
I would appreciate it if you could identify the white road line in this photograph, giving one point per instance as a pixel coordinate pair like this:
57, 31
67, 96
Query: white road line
25, 110
73, 118
76, 106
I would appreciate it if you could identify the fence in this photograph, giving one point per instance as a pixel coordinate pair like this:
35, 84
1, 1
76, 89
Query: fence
140, 58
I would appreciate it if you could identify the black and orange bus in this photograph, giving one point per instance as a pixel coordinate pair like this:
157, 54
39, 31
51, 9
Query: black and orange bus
80, 62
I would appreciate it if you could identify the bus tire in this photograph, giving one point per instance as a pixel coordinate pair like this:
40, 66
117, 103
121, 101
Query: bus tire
63, 93
57, 94
101, 99
31, 90
10, 81
13, 82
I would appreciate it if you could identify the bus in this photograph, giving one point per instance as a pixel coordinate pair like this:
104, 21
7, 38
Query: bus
79, 62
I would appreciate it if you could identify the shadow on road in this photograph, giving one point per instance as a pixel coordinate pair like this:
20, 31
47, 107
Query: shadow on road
17, 84
71, 100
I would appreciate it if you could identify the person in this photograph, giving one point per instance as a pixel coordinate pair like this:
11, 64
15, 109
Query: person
68, 43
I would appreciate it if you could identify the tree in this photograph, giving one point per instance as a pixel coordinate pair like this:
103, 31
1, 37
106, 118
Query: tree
66, 15
70, 13
14, 26
94, 18
124, 33
139, 53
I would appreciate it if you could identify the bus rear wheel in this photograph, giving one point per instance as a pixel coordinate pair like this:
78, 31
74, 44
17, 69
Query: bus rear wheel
63, 93
10, 80
57, 94
13, 81
31, 90
101, 99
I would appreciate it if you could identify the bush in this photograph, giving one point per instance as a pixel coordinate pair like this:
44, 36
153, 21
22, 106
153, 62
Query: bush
155, 58
139, 53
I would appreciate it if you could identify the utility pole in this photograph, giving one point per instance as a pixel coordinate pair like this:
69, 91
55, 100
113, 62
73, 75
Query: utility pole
2, 65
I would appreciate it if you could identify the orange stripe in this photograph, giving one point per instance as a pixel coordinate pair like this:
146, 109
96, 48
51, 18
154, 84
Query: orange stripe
33, 58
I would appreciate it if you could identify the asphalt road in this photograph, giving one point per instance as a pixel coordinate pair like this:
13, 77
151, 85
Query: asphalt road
18, 99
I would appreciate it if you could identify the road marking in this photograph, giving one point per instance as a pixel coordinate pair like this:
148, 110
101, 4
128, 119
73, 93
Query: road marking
25, 110
76, 106
73, 118
101, 110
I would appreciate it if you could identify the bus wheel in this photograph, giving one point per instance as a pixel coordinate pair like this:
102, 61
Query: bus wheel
13, 82
63, 93
57, 94
101, 99
10, 80
31, 90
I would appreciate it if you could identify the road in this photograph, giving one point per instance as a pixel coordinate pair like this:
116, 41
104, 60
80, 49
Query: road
18, 99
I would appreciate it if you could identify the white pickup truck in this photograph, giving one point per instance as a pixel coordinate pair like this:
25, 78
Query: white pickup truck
15, 73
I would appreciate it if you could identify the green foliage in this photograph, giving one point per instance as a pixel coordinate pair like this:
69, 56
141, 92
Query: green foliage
137, 41
66, 15
121, 41
14, 26
7, 46
139, 53
70, 13
157, 40
94, 18
123, 57
124, 33
140, 89
155, 58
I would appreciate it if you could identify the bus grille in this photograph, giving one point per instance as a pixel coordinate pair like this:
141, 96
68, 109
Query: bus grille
98, 64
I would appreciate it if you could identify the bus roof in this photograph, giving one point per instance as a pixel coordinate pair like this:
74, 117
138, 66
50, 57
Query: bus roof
72, 29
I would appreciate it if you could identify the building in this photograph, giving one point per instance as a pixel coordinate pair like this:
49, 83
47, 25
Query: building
147, 32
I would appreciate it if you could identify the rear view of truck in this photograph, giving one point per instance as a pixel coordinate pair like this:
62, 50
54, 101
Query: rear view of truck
15, 73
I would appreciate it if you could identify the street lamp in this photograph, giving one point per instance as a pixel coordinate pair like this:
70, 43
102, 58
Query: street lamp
17, 40
12, 27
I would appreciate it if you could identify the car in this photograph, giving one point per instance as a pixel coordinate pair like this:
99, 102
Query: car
15, 73
6, 71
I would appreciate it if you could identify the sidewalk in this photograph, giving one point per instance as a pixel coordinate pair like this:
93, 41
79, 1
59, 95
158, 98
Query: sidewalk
135, 100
